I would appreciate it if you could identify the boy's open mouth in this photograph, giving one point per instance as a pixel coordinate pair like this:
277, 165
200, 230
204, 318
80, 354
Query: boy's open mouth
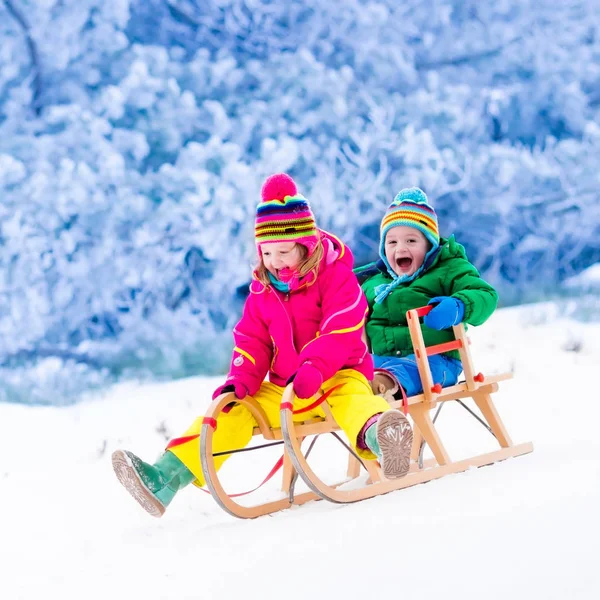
404, 263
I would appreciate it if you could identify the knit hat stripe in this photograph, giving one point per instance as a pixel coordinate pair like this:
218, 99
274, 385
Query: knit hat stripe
409, 206
284, 231
282, 226
412, 205
278, 218
296, 236
411, 217
287, 203
284, 212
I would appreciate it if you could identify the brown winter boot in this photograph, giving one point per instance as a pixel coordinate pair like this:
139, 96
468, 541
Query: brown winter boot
385, 385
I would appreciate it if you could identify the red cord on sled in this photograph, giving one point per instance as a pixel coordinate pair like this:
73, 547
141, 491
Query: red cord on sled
271, 473
317, 402
404, 401
213, 423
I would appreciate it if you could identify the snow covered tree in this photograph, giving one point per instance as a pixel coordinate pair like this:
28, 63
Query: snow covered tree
135, 134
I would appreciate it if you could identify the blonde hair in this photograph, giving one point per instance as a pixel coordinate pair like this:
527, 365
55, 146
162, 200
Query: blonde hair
308, 264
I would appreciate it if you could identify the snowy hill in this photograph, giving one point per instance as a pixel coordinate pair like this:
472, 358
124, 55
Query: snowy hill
525, 528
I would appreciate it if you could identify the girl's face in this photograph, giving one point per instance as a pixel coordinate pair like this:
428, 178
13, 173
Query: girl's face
281, 256
405, 249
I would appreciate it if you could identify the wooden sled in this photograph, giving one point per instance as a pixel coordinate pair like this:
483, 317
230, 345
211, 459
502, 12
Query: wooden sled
476, 386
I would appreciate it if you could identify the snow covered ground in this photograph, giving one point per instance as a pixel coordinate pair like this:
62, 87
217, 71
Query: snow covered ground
525, 528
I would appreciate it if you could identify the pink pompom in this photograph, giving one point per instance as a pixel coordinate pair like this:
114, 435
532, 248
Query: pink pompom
277, 187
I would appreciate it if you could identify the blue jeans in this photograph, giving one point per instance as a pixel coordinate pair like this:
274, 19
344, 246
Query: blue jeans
444, 370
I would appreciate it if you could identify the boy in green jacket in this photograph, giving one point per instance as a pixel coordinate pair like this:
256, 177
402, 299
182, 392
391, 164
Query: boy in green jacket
418, 268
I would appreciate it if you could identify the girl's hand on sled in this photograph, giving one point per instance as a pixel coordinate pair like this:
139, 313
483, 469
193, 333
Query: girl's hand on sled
307, 381
239, 389
448, 311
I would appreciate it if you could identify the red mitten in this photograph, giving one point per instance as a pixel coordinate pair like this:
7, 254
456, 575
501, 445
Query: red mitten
308, 381
239, 389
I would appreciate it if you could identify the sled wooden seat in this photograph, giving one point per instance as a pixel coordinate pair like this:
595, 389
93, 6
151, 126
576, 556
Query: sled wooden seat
476, 386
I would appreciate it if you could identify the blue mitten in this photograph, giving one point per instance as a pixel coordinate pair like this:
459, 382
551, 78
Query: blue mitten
448, 311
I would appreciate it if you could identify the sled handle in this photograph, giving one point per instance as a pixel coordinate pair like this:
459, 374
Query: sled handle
461, 343
421, 312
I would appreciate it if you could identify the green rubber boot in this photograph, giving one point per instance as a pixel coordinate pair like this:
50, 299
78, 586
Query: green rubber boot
153, 486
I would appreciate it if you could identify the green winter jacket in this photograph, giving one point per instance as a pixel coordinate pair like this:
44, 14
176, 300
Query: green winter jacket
450, 274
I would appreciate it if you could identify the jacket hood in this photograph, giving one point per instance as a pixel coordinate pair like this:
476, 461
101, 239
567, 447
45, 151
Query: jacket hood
335, 249
448, 248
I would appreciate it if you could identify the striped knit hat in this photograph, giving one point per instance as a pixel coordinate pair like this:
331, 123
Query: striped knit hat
284, 215
410, 208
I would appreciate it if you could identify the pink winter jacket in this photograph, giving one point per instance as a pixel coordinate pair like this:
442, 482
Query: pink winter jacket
321, 323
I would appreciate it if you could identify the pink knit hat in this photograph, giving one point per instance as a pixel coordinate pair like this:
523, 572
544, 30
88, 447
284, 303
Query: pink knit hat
284, 215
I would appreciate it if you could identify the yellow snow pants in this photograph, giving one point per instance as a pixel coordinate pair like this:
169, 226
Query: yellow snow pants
352, 405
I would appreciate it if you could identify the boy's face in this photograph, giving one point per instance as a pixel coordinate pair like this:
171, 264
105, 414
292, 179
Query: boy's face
277, 256
405, 249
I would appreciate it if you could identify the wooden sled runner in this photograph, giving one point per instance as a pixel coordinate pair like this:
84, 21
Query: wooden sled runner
476, 386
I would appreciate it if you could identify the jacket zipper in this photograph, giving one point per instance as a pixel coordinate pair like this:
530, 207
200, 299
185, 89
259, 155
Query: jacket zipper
286, 298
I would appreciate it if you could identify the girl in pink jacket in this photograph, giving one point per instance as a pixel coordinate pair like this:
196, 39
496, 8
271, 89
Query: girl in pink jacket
303, 322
